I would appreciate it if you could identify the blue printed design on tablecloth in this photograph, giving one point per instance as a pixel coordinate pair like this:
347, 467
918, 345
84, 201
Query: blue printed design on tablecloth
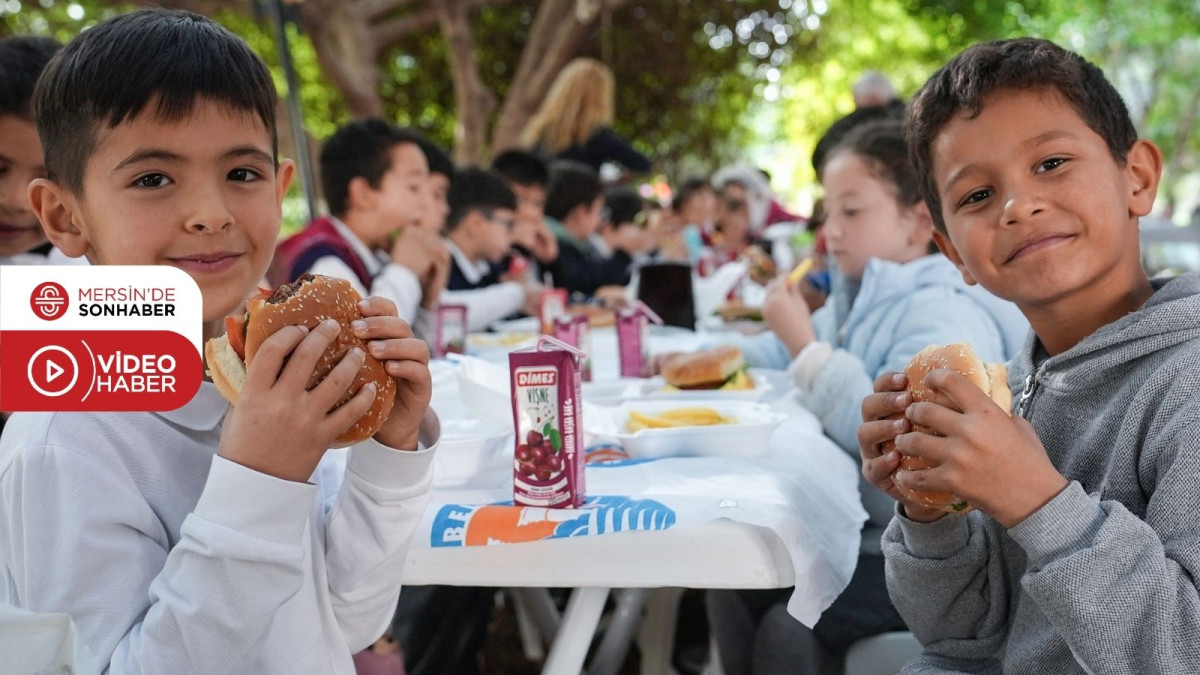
504, 523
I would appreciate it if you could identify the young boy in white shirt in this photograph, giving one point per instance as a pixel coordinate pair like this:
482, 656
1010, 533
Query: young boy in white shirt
376, 182
479, 235
192, 541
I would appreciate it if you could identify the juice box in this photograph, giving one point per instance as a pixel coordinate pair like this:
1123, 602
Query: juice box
633, 341
575, 330
551, 304
548, 419
450, 330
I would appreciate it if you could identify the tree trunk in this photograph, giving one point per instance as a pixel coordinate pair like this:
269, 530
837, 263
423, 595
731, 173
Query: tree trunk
341, 36
556, 37
473, 101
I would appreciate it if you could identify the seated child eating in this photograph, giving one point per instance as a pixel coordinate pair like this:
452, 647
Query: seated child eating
1082, 553
200, 540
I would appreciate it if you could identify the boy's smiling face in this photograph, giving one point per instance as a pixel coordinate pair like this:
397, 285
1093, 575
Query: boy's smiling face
1037, 209
201, 194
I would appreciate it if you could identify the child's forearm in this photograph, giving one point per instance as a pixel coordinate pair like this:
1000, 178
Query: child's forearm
369, 528
1094, 564
946, 580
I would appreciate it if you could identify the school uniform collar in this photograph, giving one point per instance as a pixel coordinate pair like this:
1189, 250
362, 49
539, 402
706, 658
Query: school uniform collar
373, 261
203, 413
472, 271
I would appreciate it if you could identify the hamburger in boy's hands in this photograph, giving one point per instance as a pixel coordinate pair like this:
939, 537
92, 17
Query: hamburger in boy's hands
959, 357
307, 302
719, 368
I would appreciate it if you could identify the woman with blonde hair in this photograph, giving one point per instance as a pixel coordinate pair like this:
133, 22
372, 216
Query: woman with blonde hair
575, 120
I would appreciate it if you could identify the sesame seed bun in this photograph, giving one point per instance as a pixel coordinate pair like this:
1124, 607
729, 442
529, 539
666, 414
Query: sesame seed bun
961, 358
307, 302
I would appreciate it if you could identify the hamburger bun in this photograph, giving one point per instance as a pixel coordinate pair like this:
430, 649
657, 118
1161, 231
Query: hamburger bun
706, 369
961, 358
307, 302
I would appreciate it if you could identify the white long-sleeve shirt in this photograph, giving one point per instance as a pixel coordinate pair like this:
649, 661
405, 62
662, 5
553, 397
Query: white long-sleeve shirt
171, 559
388, 279
486, 305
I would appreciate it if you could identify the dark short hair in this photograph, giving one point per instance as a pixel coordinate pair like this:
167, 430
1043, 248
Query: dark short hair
623, 203
476, 189
436, 158
571, 184
1019, 64
838, 130
688, 189
360, 148
22, 60
522, 167
112, 71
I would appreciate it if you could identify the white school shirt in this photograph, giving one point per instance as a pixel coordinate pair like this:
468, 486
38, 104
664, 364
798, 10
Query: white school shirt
171, 559
486, 305
388, 279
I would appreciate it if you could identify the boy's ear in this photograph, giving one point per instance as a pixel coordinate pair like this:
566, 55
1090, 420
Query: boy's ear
1143, 169
284, 174
947, 248
359, 194
56, 209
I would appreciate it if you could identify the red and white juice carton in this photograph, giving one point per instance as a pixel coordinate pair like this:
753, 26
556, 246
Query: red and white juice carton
450, 330
633, 341
552, 303
548, 418
575, 330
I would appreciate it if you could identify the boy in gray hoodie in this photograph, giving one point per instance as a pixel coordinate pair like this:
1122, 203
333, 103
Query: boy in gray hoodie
1084, 551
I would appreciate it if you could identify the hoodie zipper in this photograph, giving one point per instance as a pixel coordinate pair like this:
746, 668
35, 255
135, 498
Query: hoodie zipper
1026, 397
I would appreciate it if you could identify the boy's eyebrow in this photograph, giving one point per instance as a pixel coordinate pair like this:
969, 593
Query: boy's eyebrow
1051, 135
250, 151
162, 155
146, 154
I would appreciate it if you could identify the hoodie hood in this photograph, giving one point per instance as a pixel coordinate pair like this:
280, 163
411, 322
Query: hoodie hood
1169, 318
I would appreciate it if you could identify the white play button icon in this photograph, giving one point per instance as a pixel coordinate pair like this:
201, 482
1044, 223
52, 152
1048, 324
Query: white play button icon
53, 370
45, 361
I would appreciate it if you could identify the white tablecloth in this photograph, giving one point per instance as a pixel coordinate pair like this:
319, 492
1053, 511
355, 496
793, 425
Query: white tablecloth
799, 497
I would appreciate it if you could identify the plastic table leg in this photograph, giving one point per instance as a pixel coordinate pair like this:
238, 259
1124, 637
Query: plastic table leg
657, 636
576, 631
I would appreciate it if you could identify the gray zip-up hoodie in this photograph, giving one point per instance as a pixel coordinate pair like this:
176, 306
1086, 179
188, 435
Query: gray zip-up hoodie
1103, 578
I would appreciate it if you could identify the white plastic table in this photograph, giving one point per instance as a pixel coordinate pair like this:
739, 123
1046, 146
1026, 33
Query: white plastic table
742, 546
717, 554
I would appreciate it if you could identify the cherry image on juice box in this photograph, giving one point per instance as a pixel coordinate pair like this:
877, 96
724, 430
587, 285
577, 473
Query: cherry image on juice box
450, 330
575, 330
551, 304
548, 418
633, 343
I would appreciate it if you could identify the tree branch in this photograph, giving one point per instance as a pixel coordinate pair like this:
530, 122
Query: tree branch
388, 33
374, 10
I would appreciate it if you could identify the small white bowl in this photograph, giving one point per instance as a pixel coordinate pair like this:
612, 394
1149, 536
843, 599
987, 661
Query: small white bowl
470, 448
747, 438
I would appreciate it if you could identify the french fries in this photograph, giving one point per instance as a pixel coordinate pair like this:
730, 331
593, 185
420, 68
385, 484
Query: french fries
693, 416
798, 272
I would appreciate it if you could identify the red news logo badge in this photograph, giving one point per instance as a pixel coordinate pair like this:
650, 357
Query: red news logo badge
99, 338
49, 301
98, 370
